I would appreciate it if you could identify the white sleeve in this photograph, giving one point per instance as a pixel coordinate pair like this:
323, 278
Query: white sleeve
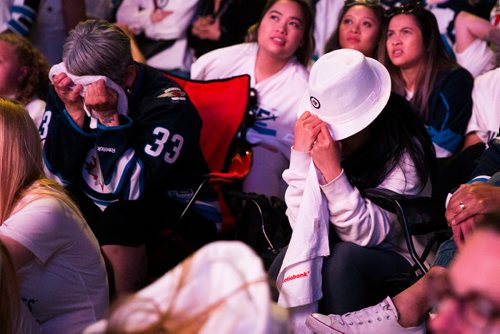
197, 70
325, 22
134, 14
204, 68
485, 119
176, 24
225, 62
357, 219
137, 15
476, 124
295, 177
40, 227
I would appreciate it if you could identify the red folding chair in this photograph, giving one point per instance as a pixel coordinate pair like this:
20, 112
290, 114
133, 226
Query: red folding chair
223, 106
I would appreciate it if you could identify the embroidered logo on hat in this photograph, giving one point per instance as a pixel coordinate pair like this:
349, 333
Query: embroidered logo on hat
315, 103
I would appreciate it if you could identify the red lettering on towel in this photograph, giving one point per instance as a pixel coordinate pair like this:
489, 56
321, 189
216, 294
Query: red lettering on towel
292, 277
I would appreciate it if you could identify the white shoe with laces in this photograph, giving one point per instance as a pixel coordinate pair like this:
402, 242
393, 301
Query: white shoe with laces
378, 319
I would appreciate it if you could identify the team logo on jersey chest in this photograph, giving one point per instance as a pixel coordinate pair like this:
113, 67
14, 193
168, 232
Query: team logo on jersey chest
91, 166
174, 93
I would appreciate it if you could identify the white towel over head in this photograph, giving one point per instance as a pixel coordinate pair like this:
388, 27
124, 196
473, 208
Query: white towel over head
86, 80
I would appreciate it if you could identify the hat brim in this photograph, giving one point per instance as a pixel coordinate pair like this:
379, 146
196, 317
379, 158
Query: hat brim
355, 125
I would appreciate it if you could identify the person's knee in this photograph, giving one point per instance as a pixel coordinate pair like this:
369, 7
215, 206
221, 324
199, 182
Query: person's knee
345, 256
445, 253
343, 266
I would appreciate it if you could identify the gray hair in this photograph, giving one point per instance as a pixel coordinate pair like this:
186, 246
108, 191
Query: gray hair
97, 47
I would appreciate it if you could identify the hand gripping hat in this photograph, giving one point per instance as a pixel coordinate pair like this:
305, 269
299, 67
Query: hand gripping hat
346, 90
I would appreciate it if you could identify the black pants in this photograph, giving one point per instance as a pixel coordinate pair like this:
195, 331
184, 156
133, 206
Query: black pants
134, 223
354, 277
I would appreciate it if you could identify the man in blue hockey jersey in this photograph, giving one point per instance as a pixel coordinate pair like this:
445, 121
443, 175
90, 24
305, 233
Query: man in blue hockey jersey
124, 139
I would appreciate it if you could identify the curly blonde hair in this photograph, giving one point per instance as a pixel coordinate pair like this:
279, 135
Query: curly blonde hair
36, 82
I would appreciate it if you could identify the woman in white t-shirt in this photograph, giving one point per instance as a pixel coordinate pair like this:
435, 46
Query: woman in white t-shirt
280, 48
56, 256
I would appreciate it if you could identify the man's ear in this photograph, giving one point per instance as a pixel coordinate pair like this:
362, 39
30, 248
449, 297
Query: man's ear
131, 73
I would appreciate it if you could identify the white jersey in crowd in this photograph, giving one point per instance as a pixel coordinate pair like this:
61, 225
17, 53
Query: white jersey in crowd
278, 96
137, 15
65, 286
36, 108
485, 119
325, 23
48, 32
477, 58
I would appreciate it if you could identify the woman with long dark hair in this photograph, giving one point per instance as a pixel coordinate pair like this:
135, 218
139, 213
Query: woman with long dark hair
424, 73
360, 27
352, 134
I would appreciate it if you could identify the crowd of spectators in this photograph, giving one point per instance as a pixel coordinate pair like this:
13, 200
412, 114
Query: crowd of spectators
350, 95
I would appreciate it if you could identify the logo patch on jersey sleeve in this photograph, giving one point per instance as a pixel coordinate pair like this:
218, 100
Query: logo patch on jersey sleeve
174, 93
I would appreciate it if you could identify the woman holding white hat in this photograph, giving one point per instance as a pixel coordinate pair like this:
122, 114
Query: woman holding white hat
352, 133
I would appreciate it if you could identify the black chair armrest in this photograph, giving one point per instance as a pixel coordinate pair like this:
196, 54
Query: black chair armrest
417, 215
423, 214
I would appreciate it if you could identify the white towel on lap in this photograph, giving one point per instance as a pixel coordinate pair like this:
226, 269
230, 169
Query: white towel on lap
86, 80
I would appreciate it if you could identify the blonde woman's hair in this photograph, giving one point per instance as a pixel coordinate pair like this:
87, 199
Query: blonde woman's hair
21, 166
9, 294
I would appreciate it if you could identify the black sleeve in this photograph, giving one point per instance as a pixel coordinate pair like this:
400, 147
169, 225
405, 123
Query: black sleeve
65, 145
489, 163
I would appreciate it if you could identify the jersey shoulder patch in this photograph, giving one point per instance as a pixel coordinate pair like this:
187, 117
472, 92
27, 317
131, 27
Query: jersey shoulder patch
174, 94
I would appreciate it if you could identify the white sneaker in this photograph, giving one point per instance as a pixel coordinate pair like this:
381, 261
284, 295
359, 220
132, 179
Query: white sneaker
378, 319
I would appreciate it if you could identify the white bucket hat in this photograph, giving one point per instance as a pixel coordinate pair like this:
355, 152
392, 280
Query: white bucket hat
346, 90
